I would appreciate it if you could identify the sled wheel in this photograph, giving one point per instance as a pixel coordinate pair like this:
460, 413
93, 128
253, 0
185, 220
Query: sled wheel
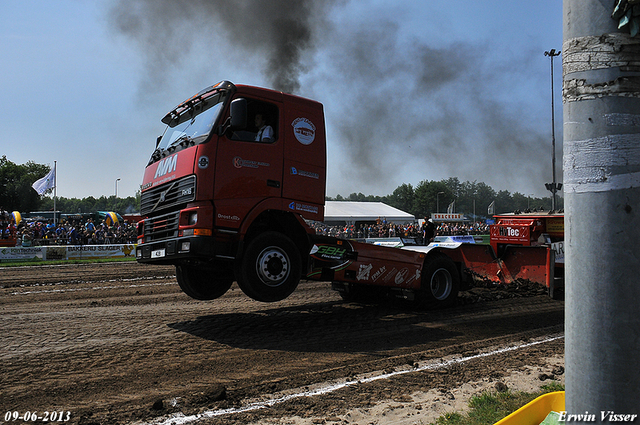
270, 268
440, 283
202, 283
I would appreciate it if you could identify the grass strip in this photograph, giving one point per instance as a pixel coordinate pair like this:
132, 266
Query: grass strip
489, 407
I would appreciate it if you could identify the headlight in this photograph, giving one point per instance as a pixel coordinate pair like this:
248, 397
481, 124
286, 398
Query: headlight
193, 218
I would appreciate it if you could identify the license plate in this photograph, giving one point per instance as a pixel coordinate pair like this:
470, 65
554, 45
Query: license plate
158, 253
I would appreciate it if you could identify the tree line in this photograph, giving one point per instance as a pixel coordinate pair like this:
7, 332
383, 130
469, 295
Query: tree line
90, 204
468, 198
428, 196
16, 193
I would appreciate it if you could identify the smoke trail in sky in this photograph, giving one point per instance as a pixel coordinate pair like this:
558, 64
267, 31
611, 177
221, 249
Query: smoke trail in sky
401, 109
279, 31
444, 111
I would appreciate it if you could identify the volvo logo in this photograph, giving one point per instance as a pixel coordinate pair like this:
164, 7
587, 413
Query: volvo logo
163, 196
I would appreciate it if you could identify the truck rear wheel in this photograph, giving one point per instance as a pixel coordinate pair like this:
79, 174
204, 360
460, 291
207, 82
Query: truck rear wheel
270, 268
202, 283
440, 283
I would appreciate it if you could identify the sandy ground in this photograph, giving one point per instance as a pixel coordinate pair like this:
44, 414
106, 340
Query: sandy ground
121, 344
425, 407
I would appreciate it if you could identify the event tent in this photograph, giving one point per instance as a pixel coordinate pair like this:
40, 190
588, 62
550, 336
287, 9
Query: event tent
340, 212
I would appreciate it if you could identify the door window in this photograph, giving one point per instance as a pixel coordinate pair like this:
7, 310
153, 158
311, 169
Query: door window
262, 123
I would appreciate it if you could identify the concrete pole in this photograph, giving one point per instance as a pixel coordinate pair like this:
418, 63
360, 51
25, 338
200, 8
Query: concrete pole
601, 96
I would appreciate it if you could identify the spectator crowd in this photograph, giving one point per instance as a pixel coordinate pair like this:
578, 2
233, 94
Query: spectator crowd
74, 232
383, 229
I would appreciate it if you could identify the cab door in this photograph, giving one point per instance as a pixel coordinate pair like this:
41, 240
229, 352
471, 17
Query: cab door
247, 171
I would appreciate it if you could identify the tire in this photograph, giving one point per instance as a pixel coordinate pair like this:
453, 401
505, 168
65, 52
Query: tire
270, 268
201, 283
440, 283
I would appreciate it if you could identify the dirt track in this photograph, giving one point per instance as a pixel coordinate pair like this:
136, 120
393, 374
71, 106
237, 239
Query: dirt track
119, 343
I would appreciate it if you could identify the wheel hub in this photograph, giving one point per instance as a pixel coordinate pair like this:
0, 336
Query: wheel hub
273, 266
441, 284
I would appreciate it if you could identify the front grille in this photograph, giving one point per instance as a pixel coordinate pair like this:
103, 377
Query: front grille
161, 227
169, 195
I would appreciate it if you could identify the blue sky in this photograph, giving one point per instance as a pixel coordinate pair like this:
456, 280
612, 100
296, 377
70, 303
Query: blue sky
412, 90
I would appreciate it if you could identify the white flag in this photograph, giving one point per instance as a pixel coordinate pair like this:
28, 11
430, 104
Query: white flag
451, 207
491, 209
45, 183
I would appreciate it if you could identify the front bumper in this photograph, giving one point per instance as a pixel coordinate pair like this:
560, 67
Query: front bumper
177, 250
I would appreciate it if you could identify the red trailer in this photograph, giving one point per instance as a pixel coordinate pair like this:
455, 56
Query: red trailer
429, 275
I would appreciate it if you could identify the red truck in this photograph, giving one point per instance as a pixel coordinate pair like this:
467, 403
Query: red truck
223, 205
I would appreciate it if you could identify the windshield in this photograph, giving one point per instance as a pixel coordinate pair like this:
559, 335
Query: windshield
189, 130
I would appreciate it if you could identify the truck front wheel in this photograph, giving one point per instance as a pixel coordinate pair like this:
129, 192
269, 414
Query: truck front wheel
440, 283
202, 283
270, 268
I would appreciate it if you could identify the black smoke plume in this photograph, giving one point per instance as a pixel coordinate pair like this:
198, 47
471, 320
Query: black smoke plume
402, 110
274, 32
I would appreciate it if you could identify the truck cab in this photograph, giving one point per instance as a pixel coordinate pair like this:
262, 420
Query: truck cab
223, 203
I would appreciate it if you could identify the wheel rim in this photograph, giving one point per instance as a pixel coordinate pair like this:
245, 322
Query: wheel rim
441, 284
272, 266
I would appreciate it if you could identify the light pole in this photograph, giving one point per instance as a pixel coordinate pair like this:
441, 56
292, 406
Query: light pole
553, 186
438, 201
115, 201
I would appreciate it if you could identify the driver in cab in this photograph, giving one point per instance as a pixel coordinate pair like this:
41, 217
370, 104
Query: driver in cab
265, 132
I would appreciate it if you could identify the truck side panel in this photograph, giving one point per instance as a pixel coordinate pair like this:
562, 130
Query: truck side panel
304, 172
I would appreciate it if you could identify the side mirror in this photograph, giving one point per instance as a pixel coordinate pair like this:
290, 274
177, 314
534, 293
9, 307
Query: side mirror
239, 114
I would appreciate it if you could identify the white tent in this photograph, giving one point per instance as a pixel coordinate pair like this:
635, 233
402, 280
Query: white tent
351, 212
